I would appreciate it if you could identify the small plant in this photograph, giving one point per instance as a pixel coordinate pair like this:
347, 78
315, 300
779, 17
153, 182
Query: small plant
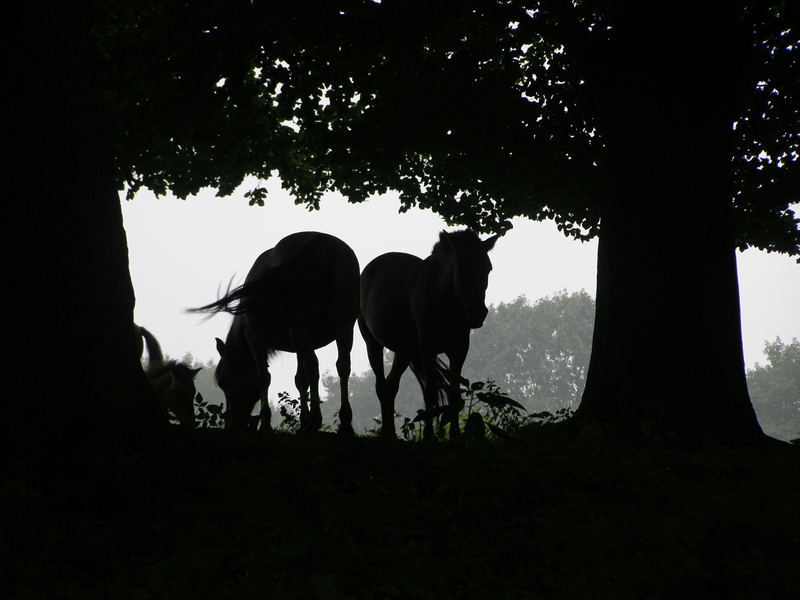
500, 413
374, 431
546, 417
207, 415
411, 432
334, 426
289, 409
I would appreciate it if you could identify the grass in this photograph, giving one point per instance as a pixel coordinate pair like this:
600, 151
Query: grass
548, 514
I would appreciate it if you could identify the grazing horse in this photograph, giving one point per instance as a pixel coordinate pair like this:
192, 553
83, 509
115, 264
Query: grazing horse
298, 296
172, 382
419, 309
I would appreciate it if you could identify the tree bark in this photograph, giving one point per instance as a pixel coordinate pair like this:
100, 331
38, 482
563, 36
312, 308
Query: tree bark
667, 345
88, 395
667, 348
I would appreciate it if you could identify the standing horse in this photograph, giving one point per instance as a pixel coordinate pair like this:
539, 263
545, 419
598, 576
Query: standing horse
419, 309
172, 382
298, 296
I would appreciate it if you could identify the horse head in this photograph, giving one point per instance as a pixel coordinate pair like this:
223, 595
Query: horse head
237, 382
182, 392
470, 268
173, 384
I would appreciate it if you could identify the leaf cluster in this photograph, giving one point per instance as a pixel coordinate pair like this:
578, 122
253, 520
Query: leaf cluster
289, 409
207, 415
481, 111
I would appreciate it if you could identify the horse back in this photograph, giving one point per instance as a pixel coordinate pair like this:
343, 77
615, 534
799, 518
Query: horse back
308, 261
309, 280
388, 285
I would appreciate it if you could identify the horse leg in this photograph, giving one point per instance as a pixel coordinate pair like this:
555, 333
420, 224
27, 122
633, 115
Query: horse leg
454, 400
389, 392
426, 379
264, 379
344, 344
382, 387
309, 365
301, 383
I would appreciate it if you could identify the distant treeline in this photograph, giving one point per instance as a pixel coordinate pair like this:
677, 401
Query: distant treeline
538, 353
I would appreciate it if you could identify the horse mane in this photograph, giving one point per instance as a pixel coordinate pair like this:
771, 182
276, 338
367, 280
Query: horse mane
454, 239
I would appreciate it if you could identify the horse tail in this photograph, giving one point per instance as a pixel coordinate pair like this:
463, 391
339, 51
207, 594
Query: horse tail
155, 356
445, 376
235, 301
441, 380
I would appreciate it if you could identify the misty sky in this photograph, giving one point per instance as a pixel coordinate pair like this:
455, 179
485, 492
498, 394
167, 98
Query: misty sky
184, 253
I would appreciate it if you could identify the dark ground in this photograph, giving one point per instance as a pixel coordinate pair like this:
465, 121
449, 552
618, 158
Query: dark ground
550, 514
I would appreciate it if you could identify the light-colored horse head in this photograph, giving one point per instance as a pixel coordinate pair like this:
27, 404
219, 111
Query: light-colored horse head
172, 382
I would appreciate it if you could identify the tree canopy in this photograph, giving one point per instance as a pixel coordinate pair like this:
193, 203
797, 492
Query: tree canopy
481, 111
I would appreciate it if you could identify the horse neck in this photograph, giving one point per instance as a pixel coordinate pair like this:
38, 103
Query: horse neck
237, 348
160, 379
438, 276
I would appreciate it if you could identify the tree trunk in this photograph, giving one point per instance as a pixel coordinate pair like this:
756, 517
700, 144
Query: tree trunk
667, 345
667, 348
87, 394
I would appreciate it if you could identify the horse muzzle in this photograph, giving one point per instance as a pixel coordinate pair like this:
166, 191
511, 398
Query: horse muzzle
476, 317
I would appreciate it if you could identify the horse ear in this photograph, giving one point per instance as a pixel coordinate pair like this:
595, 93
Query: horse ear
195, 371
220, 346
444, 238
488, 243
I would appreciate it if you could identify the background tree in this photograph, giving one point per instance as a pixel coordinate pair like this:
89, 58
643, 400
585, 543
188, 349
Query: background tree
537, 354
674, 138
775, 389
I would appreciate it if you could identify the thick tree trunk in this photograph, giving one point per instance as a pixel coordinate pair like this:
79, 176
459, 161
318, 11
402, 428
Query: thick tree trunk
667, 345
88, 394
667, 349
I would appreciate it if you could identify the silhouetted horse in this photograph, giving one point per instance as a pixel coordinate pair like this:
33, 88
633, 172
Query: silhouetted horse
419, 309
298, 296
172, 381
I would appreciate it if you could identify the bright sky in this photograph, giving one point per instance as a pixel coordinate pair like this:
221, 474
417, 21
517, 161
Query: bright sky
183, 254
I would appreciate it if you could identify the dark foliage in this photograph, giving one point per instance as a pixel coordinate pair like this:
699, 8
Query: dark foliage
479, 110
